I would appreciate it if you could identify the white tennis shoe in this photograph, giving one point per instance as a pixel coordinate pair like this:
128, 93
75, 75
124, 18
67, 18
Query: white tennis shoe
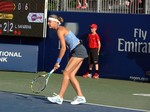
78, 100
55, 99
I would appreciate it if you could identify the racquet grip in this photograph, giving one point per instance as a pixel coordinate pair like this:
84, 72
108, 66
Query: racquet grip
52, 71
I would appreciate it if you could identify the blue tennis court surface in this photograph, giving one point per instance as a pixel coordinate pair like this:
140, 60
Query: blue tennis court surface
15, 102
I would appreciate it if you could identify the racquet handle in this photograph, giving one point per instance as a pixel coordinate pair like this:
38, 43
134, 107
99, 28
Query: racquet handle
51, 71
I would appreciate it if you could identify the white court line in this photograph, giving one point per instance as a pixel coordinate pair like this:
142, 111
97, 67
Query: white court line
141, 94
21, 94
113, 106
96, 104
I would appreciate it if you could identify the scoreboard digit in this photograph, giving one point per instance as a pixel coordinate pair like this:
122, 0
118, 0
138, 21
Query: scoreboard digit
23, 18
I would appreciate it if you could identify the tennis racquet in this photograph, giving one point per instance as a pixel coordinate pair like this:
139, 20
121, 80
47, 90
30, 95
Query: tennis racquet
39, 83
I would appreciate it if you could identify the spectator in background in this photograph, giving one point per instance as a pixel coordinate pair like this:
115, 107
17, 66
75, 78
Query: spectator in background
85, 5
134, 6
127, 3
94, 49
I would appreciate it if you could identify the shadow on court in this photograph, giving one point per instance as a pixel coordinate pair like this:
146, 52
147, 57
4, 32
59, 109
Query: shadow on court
15, 102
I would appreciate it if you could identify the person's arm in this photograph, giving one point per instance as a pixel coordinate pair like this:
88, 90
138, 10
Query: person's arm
99, 46
60, 34
99, 43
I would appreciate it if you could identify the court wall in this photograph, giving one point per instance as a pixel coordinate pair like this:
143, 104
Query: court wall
125, 40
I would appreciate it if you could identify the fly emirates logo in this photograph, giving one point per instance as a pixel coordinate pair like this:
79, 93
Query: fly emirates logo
5, 54
138, 45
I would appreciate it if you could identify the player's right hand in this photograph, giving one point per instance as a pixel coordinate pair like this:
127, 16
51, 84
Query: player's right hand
56, 66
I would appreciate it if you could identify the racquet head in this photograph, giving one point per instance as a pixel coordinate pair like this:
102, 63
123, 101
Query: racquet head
38, 84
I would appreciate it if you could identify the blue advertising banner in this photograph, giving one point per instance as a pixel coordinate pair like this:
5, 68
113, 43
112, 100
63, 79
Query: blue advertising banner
125, 40
18, 57
124, 54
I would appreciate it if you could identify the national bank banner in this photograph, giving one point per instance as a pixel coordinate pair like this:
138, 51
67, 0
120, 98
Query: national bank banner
125, 40
18, 57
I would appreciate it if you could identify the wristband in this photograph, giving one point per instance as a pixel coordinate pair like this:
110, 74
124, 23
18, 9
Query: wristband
58, 60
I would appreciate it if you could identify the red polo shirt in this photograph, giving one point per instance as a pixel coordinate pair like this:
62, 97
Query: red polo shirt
93, 40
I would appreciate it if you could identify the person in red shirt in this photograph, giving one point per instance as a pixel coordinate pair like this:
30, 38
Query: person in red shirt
94, 45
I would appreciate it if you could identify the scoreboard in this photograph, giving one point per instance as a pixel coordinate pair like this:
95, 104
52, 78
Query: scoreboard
23, 18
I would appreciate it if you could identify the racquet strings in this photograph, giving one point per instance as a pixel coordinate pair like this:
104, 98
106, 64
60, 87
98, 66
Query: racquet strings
39, 84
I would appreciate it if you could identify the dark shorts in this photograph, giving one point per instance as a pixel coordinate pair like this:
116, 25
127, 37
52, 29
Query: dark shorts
79, 51
93, 56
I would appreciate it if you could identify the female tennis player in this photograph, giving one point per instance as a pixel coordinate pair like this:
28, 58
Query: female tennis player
78, 53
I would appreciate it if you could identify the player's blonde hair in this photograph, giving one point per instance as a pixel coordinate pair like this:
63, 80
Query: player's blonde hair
60, 19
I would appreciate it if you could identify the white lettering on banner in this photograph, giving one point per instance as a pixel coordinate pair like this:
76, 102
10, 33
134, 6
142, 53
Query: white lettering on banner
134, 78
133, 46
3, 59
140, 33
10, 54
136, 45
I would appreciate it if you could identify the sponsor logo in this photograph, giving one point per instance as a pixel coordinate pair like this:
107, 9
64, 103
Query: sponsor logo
35, 17
138, 45
5, 54
135, 78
